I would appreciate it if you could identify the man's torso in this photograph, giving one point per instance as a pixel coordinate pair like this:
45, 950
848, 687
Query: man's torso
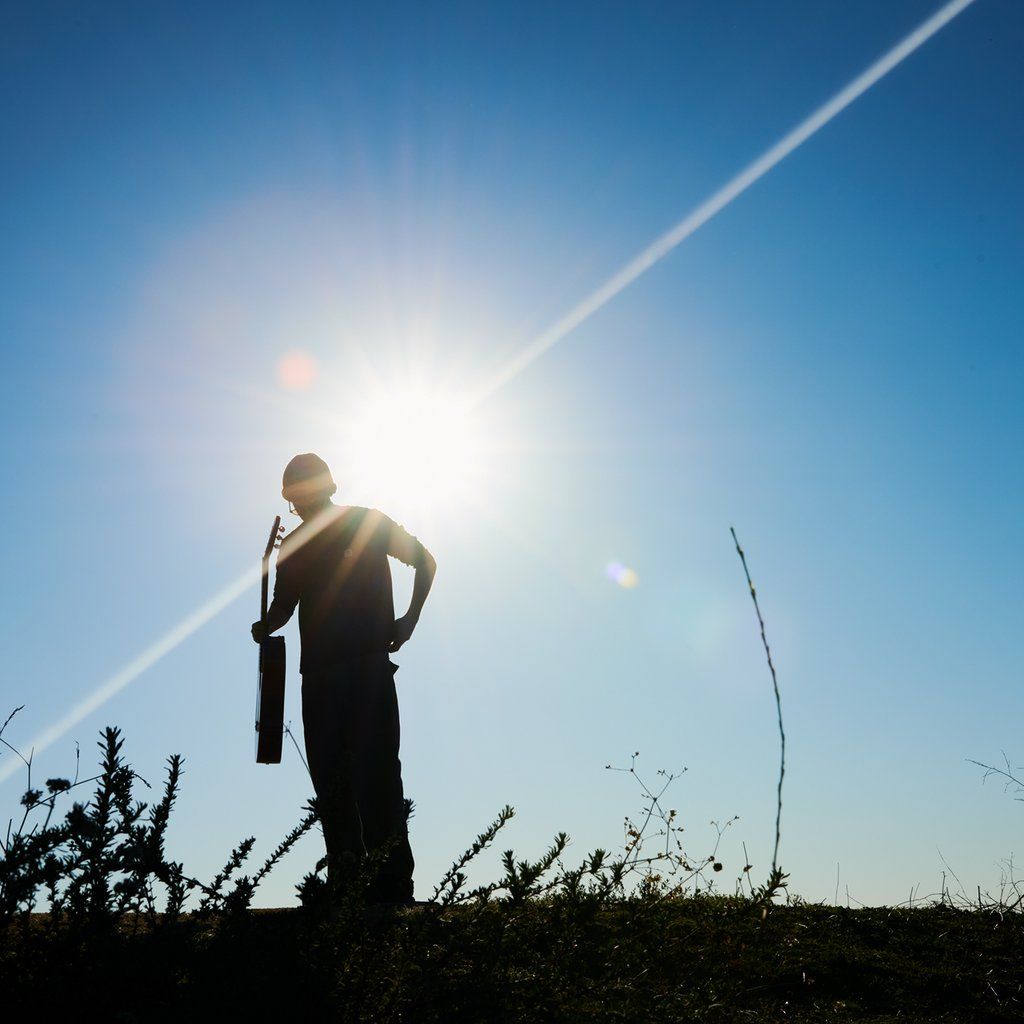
340, 573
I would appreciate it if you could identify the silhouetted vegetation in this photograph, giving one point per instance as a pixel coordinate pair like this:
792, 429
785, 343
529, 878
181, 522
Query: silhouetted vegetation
95, 913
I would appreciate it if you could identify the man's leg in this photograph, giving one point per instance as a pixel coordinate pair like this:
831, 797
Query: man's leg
329, 755
377, 778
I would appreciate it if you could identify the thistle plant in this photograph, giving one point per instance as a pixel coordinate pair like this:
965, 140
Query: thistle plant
107, 858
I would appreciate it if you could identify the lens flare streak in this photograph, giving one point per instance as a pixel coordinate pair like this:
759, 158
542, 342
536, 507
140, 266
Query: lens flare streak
662, 246
130, 672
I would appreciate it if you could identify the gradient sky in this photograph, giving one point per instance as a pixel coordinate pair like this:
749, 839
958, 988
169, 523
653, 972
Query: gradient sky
832, 365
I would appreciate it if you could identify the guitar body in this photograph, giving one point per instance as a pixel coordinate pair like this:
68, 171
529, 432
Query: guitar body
270, 684
270, 701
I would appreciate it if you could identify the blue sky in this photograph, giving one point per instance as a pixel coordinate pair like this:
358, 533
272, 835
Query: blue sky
833, 365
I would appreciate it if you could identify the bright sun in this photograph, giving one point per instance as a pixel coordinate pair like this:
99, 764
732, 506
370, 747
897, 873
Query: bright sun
415, 448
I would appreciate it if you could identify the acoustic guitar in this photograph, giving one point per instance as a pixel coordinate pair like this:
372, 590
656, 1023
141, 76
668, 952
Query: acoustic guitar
270, 683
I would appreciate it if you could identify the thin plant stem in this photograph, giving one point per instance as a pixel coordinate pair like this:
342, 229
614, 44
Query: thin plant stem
778, 700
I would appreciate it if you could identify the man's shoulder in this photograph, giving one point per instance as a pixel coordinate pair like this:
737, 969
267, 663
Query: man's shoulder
359, 515
372, 527
292, 536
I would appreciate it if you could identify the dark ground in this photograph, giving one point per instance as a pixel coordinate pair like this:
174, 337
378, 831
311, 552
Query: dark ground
695, 959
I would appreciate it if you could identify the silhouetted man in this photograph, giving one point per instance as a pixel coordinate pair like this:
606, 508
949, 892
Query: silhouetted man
334, 566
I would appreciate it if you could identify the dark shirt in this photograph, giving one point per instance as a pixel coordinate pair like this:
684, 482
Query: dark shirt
335, 567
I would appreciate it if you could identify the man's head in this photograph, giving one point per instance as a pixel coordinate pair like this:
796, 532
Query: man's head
307, 484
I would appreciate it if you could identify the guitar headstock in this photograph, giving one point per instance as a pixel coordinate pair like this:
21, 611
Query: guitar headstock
275, 538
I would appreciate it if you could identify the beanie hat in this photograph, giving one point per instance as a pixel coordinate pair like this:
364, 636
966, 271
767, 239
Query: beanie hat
307, 477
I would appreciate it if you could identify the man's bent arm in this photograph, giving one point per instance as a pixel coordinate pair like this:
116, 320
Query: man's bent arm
406, 548
426, 567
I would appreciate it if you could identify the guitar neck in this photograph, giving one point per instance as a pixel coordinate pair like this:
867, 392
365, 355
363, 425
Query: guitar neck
275, 532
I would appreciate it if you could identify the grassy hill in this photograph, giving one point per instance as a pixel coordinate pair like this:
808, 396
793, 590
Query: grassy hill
130, 935
704, 958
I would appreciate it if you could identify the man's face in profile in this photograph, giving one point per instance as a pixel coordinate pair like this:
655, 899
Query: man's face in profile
306, 512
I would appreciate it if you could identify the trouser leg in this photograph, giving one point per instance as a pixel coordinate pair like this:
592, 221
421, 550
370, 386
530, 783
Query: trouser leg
351, 723
330, 756
377, 779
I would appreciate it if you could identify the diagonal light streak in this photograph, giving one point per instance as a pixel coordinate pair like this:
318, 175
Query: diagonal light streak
130, 672
662, 246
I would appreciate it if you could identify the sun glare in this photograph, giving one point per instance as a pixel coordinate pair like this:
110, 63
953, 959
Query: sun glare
417, 448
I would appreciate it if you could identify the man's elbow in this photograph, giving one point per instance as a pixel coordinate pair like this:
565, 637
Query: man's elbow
427, 563
278, 615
